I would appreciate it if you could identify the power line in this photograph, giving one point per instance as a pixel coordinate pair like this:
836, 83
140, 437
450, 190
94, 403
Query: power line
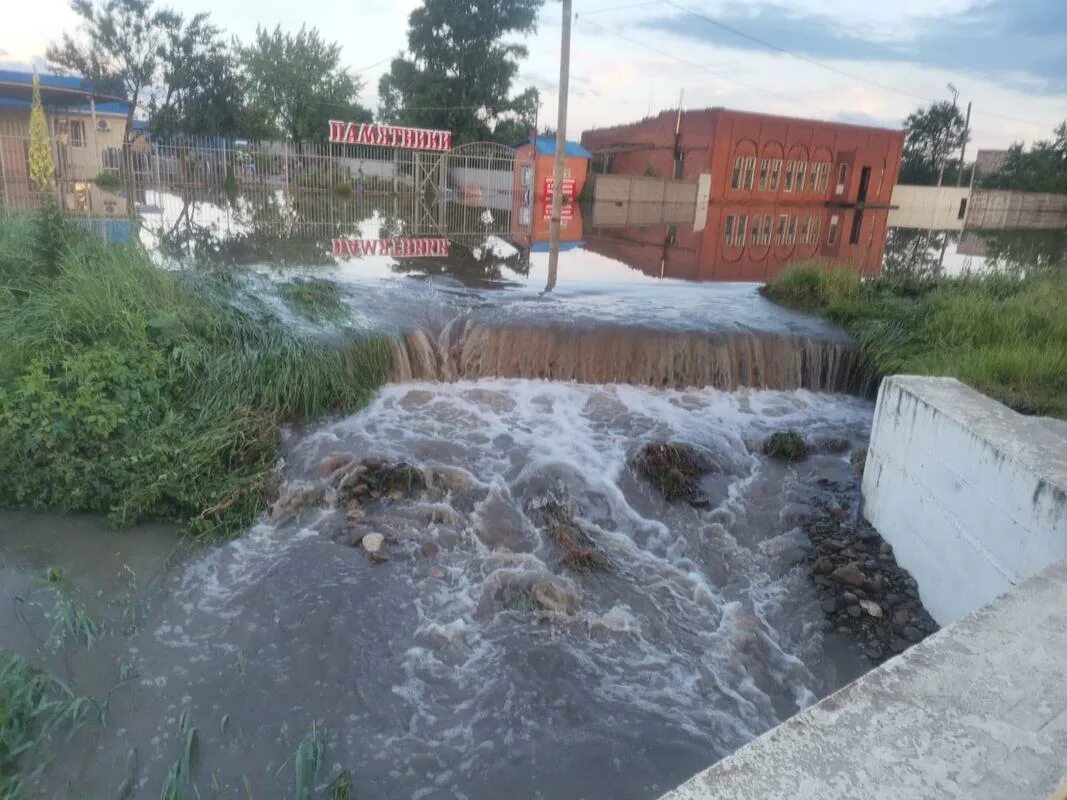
372, 66
683, 61
832, 68
616, 8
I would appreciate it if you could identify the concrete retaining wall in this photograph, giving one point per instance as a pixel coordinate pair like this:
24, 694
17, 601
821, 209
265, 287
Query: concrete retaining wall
997, 209
972, 495
632, 189
978, 711
936, 207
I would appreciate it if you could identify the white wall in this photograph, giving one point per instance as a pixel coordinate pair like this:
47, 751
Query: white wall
932, 207
972, 496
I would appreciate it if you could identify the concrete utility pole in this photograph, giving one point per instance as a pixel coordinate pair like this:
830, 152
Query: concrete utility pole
963, 147
561, 145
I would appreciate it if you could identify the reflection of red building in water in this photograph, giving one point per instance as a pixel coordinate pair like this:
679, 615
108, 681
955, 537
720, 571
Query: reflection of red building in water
534, 234
779, 189
750, 242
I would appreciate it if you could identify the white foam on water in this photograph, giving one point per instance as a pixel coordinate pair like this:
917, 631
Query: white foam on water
705, 631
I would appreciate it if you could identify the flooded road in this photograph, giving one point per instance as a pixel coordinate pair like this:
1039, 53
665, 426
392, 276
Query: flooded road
429, 675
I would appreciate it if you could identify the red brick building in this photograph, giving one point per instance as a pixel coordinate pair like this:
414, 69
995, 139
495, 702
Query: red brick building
756, 157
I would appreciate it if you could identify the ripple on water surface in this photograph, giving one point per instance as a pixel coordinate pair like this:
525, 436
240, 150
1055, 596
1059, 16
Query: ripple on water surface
474, 663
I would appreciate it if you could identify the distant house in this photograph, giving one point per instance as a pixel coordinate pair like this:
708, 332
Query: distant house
86, 128
535, 161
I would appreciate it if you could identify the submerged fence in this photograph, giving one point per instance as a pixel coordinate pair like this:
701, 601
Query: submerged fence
103, 176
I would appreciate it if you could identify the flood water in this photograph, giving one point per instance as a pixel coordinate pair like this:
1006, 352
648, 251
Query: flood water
474, 662
425, 674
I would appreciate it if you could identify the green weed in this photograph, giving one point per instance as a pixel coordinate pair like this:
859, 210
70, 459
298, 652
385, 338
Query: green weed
316, 299
143, 393
786, 446
1004, 333
34, 708
180, 772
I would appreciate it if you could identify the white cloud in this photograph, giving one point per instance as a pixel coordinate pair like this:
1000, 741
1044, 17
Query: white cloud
613, 80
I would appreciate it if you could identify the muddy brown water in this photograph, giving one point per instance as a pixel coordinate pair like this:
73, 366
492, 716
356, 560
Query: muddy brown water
423, 675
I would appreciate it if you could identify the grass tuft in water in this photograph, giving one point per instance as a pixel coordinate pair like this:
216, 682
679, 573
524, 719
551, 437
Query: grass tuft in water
307, 761
1004, 333
179, 775
316, 299
786, 446
340, 788
34, 708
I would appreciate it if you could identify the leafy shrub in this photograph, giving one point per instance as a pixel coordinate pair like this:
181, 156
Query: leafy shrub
141, 393
108, 181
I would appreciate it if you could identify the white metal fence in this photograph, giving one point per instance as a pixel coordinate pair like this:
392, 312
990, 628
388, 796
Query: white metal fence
108, 181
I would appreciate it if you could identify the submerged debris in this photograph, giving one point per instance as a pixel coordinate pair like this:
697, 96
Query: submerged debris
786, 446
359, 482
674, 469
580, 552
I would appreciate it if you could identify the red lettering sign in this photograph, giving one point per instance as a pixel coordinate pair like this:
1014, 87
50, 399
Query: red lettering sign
566, 212
398, 248
569, 185
389, 136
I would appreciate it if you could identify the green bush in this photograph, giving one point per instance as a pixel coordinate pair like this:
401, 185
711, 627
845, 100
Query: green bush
108, 181
142, 393
1005, 334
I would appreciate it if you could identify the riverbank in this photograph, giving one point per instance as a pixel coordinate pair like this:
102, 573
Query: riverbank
149, 394
1003, 334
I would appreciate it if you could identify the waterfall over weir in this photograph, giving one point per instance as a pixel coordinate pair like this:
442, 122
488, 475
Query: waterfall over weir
724, 360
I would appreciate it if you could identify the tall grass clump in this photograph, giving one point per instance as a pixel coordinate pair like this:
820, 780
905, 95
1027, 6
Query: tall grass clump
34, 708
142, 393
1005, 334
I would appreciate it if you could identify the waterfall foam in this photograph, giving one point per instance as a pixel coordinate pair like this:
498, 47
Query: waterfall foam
725, 360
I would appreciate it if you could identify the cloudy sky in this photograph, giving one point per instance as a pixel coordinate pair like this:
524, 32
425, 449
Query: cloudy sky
868, 62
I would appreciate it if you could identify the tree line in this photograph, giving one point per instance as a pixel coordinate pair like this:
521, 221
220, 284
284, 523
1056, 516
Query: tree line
934, 138
190, 78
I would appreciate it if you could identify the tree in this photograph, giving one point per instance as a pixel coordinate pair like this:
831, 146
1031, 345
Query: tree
199, 88
41, 167
295, 84
459, 70
932, 137
1041, 169
118, 49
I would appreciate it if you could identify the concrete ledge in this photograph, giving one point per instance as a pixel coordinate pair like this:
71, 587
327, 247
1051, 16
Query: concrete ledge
972, 495
978, 711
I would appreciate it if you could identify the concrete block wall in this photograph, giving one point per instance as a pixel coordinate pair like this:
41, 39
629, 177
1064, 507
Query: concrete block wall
929, 207
972, 495
632, 189
998, 209
978, 711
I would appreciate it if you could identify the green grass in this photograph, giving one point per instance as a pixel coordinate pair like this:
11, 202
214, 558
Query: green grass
1005, 334
786, 446
316, 299
143, 393
34, 708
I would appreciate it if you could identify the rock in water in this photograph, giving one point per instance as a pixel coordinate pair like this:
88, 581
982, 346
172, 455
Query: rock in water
373, 542
871, 608
849, 575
